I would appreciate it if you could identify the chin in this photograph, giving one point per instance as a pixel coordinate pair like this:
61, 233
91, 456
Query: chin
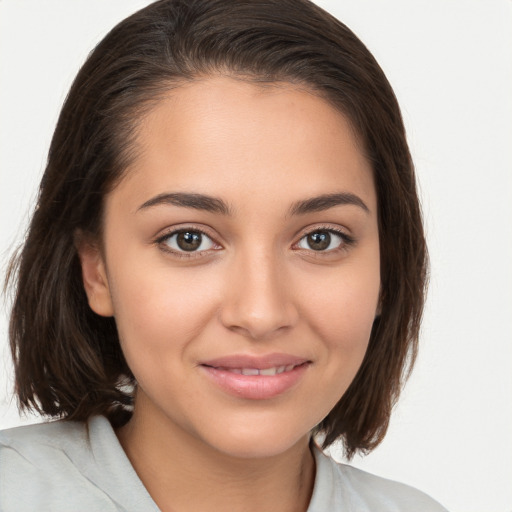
262, 443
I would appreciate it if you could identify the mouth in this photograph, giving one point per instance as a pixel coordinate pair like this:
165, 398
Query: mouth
273, 370
256, 378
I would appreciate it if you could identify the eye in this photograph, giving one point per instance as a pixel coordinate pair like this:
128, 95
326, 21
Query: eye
188, 240
324, 240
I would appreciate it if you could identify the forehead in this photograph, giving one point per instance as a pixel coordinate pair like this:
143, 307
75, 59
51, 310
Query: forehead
223, 136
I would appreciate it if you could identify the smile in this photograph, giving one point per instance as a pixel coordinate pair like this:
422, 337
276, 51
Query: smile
275, 370
256, 378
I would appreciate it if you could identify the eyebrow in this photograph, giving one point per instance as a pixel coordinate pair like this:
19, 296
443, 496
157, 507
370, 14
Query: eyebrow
326, 201
189, 200
216, 205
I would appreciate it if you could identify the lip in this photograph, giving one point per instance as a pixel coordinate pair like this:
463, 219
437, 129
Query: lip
255, 387
259, 362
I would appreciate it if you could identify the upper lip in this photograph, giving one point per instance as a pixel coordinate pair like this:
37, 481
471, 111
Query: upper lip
258, 362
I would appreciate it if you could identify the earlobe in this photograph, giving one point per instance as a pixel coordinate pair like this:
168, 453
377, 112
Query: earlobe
94, 276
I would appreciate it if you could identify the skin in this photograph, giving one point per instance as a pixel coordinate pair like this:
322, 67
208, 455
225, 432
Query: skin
255, 287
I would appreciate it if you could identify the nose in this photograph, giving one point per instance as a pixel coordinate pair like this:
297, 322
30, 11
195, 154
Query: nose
259, 301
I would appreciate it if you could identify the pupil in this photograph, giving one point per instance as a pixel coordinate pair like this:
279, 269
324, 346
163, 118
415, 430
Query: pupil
319, 241
188, 241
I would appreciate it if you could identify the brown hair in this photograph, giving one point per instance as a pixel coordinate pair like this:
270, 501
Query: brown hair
68, 361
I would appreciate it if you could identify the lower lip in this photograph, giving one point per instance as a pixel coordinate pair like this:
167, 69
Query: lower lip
255, 387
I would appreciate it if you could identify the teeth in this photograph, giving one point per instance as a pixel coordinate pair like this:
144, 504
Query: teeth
268, 371
275, 370
250, 371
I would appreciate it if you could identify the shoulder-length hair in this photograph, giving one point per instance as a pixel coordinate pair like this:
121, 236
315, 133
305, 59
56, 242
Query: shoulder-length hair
68, 361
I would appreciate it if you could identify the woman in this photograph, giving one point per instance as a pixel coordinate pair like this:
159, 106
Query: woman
224, 270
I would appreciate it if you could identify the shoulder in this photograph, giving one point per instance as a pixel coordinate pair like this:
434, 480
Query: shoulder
65, 465
44, 446
31, 440
41, 467
349, 488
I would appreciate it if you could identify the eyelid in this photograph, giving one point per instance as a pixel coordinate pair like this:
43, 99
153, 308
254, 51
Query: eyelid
174, 230
333, 228
348, 240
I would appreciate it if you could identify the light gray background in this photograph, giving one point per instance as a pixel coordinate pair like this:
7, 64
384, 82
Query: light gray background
450, 63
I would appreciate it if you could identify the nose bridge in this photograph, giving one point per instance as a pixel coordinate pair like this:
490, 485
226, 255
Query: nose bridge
259, 301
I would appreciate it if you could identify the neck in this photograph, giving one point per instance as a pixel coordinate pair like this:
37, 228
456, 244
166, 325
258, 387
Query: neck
182, 473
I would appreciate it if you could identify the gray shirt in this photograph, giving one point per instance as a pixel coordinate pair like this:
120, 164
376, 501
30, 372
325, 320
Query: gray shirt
64, 466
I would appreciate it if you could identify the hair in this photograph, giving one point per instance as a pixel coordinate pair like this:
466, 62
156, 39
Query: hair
68, 360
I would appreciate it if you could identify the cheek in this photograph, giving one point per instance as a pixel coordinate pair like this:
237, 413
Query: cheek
160, 309
343, 308
340, 311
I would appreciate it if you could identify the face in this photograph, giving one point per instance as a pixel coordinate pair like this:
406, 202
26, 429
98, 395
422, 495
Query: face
241, 263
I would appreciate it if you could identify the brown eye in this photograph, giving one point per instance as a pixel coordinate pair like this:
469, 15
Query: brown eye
319, 241
188, 241
323, 240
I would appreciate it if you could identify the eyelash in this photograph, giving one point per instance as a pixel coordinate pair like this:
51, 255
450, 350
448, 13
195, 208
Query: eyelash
161, 241
347, 242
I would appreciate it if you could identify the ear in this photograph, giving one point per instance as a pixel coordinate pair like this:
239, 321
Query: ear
94, 275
